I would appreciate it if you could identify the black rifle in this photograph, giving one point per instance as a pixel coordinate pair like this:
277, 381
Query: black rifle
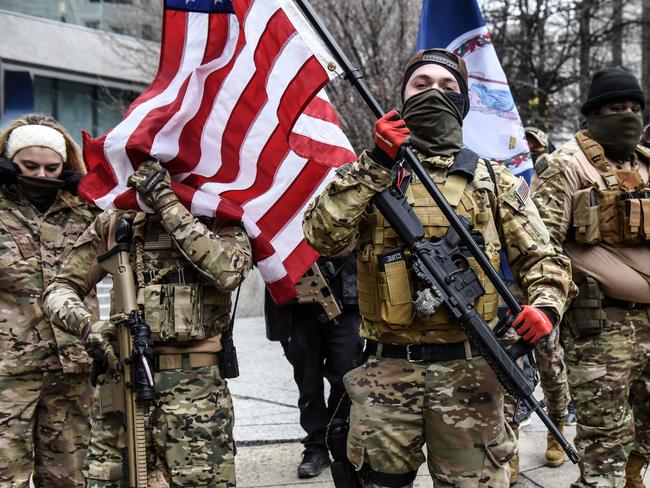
433, 263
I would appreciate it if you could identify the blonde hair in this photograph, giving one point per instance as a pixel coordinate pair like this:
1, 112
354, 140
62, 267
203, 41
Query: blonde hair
73, 161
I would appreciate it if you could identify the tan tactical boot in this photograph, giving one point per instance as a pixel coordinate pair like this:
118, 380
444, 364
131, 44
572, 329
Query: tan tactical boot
514, 469
554, 453
513, 464
633, 471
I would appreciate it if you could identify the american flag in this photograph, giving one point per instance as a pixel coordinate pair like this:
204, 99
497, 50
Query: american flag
238, 115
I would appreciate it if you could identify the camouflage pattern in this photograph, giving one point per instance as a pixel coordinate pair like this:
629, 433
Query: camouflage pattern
32, 247
549, 358
455, 407
45, 425
43, 370
336, 223
191, 442
222, 256
192, 415
603, 370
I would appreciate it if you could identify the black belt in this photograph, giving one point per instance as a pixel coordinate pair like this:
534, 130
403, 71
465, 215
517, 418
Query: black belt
616, 303
421, 353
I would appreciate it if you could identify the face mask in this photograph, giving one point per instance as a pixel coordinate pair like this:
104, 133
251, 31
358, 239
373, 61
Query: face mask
41, 192
617, 133
435, 123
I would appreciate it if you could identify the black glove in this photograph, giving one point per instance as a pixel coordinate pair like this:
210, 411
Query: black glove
72, 179
8, 172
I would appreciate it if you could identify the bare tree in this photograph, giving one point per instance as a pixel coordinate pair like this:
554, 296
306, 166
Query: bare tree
379, 37
645, 52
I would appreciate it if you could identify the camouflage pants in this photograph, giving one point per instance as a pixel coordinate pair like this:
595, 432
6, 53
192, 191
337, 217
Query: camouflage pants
552, 376
44, 429
190, 421
605, 371
454, 407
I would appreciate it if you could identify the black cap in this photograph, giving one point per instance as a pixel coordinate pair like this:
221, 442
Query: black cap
612, 84
447, 59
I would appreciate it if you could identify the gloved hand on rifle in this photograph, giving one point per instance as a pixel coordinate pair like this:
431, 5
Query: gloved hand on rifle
534, 323
391, 134
8, 172
153, 183
98, 337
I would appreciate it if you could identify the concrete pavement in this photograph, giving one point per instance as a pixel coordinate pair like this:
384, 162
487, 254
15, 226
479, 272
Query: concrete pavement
267, 428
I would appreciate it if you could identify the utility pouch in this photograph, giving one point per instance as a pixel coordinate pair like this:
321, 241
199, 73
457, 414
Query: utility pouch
173, 311
610, 214
585, 317
631, 217
645, 214
344, 475
585, 216
111, 397
394, 288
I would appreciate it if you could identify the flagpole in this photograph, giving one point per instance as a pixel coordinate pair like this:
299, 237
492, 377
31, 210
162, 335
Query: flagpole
355, 77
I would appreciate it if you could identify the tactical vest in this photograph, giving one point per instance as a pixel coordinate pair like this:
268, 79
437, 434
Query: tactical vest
618, 214
179, 303
386, 285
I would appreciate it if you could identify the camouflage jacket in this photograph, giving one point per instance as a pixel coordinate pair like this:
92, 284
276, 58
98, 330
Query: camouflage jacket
224, 257
561, 175
337, 222
32, 248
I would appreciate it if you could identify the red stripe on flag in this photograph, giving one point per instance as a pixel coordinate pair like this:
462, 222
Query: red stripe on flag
300, 259
295, 97
293, 199
171, 55
321, 153
323, 110
282, 290
189, 143
253, 98
138, 147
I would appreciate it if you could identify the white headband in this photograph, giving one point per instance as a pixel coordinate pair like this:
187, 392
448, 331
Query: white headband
35, 135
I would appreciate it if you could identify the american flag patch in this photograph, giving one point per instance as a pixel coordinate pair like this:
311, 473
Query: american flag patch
523, 192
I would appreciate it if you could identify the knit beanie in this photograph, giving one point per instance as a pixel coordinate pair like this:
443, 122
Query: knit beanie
611, 84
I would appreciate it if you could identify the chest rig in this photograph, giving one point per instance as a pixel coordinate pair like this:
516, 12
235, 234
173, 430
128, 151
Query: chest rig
386, 285
618, 214
179, 304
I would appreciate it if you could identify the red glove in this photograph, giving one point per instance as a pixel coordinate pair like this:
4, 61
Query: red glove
390, 133
532, 324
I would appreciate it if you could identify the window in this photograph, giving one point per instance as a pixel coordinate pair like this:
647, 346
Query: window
80, 106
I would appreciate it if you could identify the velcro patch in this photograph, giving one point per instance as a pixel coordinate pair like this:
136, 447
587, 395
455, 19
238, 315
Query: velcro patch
523, 192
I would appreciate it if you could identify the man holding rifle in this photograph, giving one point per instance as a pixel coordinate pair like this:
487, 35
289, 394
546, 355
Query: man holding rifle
423, 382
185, 270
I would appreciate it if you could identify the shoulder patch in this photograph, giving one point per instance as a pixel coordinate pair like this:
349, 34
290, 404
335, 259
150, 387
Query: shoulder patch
546, 167
523, 191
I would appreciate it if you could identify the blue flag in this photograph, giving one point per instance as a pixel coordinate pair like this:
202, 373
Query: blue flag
492, 128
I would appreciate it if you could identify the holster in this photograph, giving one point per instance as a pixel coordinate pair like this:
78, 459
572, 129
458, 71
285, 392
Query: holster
344, 474
585, 317
228, 364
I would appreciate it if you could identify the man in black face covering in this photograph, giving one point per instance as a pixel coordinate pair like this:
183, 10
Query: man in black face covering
423, 383
594, 196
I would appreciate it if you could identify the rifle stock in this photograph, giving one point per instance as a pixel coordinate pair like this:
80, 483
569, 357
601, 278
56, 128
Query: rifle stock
116, 262
313, 288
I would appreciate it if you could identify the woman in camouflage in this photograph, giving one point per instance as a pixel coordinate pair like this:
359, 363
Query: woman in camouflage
44, 389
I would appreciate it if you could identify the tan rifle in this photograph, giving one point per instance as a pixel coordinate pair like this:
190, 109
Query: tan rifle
313, 288
135, 351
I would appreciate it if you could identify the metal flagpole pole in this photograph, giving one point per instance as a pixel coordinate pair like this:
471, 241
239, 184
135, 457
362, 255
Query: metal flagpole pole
356, 78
